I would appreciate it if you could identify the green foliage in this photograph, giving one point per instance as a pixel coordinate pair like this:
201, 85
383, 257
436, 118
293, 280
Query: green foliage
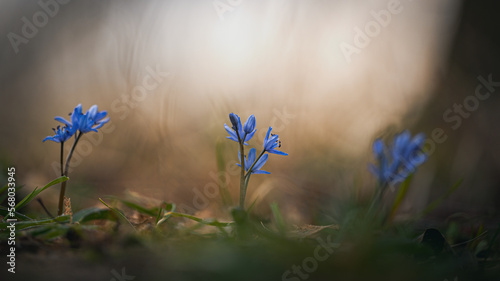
37, 191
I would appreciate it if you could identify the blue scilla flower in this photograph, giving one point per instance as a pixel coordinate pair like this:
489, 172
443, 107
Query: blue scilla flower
244, 132
271, 142
251, 159
397, 162
62, 134
92, 120
72, 125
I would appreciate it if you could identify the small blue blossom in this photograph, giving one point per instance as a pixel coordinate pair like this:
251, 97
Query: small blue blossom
397, 162
92, 120
245, 132
249, 127
62, 134
251, 159
75, 119
270, 143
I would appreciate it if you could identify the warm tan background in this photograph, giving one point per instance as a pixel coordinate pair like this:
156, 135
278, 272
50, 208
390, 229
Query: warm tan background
268, 58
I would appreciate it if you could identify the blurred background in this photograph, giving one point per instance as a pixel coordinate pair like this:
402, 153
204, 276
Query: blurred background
328, 76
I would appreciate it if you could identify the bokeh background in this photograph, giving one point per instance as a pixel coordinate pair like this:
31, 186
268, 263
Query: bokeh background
285, 62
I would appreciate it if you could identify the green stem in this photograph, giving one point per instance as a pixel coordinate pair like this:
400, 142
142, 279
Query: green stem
62, 153
244, 191
247, 179
242, 175
65, 173
256, 160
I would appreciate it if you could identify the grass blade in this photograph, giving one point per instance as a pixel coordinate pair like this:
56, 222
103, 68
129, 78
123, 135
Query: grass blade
4, 211
215, 223
37, 191
403, 190
150, 212
91, 214
117, 212
278, 218
35, 223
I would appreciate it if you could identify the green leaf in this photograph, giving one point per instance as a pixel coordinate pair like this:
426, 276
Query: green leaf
119, 213
4, 211
50, 231
162, 217
37, 191
150, 212
278, 218
4, 189
91, 214
403, 190
200, 220
34, 223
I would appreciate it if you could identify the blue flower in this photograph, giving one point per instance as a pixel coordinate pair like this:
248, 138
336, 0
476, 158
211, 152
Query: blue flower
270, 143
245, 132
75, 119
92, 120
249, 127
397, 162
62, 134
251, 159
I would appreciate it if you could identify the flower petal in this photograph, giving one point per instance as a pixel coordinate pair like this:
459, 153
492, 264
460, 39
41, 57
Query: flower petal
251, 158
62, 120
249, 124
274, 151
261, 162
50, 138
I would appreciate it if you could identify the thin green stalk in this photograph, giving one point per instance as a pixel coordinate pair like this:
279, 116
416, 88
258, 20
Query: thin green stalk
65, 173
243, 188
251, 167
242, 176
62, 153
244, 192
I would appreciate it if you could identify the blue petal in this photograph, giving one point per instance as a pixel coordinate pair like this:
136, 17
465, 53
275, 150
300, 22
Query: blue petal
401, 142
267, 135
261, 162
378, 147
235, 121
231, 132
249, 124
50, 138
92, 111
250, 135
100, 115
62, 120
274, 151
251, 158
261, 172
103, 121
